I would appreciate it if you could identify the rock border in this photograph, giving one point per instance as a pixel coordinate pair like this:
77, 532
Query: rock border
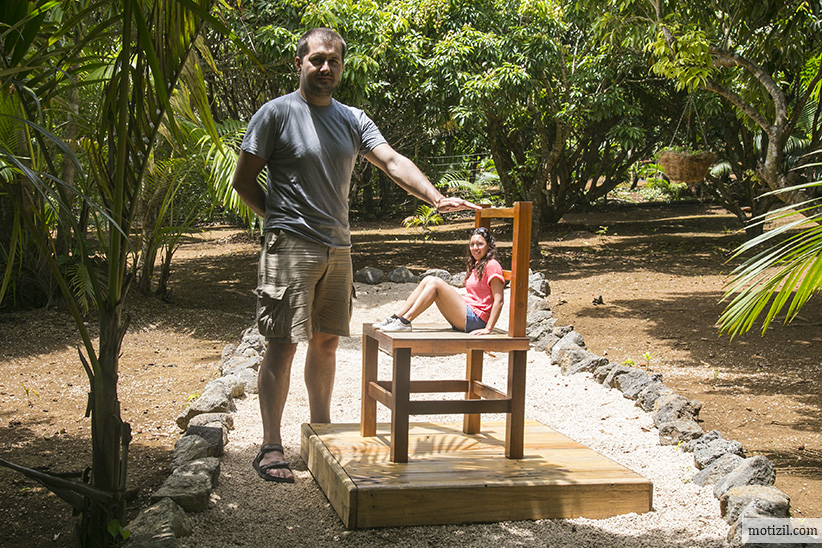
195, 459
743, 485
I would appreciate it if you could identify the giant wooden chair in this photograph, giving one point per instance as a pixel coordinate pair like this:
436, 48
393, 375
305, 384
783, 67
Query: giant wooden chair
436, 340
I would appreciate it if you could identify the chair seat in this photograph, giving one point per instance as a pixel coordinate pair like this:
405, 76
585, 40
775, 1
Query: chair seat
441, 340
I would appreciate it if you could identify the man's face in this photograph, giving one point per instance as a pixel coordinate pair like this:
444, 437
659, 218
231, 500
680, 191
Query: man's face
321, 68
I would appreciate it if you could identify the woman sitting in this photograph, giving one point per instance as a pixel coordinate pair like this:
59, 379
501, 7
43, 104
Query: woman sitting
475, 313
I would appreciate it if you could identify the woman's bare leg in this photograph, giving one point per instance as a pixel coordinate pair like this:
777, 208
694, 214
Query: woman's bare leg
435, 290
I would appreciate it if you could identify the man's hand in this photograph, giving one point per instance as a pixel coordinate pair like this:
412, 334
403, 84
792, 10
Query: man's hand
452, 203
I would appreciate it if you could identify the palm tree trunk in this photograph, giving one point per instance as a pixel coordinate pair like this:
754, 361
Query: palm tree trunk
110, 436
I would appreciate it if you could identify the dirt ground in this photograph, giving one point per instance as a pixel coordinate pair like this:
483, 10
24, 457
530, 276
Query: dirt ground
659, 270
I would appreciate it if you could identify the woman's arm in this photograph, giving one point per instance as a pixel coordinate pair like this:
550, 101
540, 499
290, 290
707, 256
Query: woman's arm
497, 286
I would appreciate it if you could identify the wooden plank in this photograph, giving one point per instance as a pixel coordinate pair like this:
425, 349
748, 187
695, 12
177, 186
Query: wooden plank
515, 421
405, 507
496, 213
471, 422
378, 392
488, 392
456, 407
482, 473
439, 340
456, 478
426, 433
440, 344
431, 386
434, 470
339, 488
401, 404
520, 261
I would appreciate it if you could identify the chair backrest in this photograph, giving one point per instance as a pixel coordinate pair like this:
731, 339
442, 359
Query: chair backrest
520, 258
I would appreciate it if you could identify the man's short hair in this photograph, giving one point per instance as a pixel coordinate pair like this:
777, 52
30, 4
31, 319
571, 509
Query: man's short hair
322, 34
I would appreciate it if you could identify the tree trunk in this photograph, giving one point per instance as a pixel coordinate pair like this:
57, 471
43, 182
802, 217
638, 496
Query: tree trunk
367, 185
35, 282
148, 255
538, 204
148, 252
110, 436
165, 273
506, 167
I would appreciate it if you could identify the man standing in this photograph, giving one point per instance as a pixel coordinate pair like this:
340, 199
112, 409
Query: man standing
309, 142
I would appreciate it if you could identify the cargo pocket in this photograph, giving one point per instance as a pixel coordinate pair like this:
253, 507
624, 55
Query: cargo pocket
272, 310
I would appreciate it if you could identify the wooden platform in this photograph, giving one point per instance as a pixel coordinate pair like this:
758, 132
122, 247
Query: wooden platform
453, 477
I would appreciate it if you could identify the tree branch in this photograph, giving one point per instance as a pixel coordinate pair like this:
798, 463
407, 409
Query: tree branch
724, 58
66, 489
741, 104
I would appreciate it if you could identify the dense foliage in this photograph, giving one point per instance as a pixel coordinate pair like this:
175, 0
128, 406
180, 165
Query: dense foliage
75, 222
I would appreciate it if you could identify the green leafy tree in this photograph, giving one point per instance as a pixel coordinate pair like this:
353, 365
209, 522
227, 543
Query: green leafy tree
760, 61
763, 59
26, 117
172, 199
562, 114
733, 181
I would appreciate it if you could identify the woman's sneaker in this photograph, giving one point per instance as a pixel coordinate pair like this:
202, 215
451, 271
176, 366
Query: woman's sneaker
396, 325
382, 323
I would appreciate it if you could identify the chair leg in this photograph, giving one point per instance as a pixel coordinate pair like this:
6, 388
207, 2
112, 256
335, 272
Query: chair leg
368, 410
515, 420
471, 422
401, 385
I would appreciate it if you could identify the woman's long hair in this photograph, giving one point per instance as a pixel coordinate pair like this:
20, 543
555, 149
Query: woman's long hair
471, 264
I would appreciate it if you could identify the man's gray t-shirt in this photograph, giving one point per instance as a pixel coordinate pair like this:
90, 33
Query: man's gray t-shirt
310, 153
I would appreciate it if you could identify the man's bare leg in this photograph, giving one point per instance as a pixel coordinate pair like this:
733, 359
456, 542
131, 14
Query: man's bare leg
320, 367
273, 383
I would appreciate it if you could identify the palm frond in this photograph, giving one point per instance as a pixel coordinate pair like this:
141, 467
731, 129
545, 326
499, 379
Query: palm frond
783, 276
221, 155
84, 282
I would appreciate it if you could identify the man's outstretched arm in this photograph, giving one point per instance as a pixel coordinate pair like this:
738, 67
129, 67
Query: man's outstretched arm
407, 175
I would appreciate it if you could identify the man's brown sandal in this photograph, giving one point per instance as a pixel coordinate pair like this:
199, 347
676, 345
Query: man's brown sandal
262, 469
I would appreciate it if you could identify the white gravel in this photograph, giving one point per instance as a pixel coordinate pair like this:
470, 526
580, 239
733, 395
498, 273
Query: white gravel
247, 511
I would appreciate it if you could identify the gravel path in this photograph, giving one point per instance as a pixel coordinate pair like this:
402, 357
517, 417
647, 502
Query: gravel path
246, 511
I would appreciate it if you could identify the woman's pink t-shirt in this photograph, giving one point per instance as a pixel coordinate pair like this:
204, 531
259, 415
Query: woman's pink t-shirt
478, 291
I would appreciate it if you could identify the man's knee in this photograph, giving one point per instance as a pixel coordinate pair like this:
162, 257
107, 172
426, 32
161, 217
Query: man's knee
324, 343
278, 355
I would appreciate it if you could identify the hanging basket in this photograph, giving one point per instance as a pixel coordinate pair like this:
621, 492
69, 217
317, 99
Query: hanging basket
684, 167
